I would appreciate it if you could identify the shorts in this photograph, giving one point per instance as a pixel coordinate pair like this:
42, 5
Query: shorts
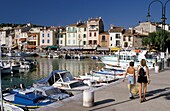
142, 79
130, 80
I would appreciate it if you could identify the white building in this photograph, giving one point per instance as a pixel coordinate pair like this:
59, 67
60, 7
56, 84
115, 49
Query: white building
116, 38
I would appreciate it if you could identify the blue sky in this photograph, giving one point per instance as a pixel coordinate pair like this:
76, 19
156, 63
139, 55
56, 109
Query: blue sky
126, 13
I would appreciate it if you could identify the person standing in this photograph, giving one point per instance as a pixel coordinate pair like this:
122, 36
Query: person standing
143, 79
130, 71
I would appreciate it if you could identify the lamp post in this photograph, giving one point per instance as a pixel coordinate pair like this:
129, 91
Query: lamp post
163, 20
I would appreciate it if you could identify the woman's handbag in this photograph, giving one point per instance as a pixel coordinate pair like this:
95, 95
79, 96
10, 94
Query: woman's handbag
134, 88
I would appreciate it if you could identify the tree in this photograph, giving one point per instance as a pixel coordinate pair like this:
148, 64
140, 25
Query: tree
155, 40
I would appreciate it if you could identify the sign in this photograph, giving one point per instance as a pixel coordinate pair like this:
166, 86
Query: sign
162, 55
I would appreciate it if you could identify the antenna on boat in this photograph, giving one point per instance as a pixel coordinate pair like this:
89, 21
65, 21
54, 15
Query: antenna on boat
2, 108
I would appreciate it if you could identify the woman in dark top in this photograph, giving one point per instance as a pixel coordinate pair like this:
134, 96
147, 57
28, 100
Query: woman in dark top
143, 79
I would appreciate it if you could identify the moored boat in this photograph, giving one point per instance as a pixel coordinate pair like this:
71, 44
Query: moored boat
63, 80
25, 99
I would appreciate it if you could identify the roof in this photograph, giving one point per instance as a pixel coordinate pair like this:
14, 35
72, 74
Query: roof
116, 29
105, 32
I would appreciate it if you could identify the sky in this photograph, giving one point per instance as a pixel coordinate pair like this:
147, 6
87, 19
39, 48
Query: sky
125, 13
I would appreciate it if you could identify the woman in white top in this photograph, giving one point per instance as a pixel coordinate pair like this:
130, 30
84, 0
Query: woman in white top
130, 71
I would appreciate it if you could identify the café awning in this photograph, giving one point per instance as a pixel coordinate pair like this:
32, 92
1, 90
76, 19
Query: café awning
102, 49
31, 46
71, 48
22, 39
52, 47
114, 48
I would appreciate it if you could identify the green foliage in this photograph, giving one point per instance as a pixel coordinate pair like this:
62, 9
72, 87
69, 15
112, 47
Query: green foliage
159, 40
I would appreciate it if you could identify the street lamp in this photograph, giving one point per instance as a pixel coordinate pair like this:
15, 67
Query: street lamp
163, 19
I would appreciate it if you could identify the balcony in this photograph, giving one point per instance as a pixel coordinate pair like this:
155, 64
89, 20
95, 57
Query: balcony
93, 29
31, 38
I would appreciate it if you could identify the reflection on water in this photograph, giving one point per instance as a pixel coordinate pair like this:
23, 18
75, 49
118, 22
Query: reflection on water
46, 65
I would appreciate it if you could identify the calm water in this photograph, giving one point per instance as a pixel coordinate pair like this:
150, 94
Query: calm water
46, 65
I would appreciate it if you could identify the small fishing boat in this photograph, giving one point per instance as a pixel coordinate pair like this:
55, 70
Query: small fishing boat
24, 98
64, 80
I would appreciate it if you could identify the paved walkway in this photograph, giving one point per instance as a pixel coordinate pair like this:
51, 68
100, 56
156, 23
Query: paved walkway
114, 97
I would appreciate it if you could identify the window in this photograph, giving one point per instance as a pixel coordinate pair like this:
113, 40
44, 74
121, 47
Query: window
84, 42
48, 35
117, 42
43, 41
95, 42
61, 36
48, 41
110, 44
61, 42
129, 38
74, 42
84, 35
90, 34
103, 38
79, 35
117, 36
68, 41
110, 38
90, 42
42, 35
69, 35
73, 34
92, 26
124, 38
125, 44
84, 29
95, 34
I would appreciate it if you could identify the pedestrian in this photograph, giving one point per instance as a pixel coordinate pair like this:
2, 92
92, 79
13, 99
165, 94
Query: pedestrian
143, 79
130, 71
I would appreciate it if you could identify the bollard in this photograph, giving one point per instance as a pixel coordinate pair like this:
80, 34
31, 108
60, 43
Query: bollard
88, 98
156, 69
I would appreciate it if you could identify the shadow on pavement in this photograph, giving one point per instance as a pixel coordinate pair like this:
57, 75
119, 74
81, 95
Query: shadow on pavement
109, 105
159, 93
103, 102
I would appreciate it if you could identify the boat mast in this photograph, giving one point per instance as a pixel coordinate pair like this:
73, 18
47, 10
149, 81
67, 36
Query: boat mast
2, 109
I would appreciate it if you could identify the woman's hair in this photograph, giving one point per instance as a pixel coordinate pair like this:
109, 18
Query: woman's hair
131, 63
143, 62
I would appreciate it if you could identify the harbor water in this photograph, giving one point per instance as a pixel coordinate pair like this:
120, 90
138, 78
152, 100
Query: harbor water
46, 66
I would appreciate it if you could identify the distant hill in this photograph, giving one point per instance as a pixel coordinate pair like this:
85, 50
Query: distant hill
16, 25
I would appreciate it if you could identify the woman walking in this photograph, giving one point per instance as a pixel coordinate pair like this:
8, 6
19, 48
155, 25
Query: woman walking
143, 79
130, 71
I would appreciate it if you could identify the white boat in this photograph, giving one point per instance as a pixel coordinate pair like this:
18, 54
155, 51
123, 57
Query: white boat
63, 80
122, 59
49, 91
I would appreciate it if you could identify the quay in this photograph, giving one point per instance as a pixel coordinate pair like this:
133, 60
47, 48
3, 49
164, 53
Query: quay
115, 97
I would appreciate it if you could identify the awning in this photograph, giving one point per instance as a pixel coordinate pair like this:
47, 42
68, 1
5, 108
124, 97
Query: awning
43, 46
52, 47
22, 39
114, 48
102, 49
71, 48
137, 50
31, 46
89, 48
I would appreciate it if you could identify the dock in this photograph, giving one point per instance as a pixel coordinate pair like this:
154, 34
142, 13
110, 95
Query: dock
115, 97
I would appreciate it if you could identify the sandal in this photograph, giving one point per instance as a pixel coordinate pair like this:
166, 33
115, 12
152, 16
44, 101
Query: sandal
141, 100
144, 100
